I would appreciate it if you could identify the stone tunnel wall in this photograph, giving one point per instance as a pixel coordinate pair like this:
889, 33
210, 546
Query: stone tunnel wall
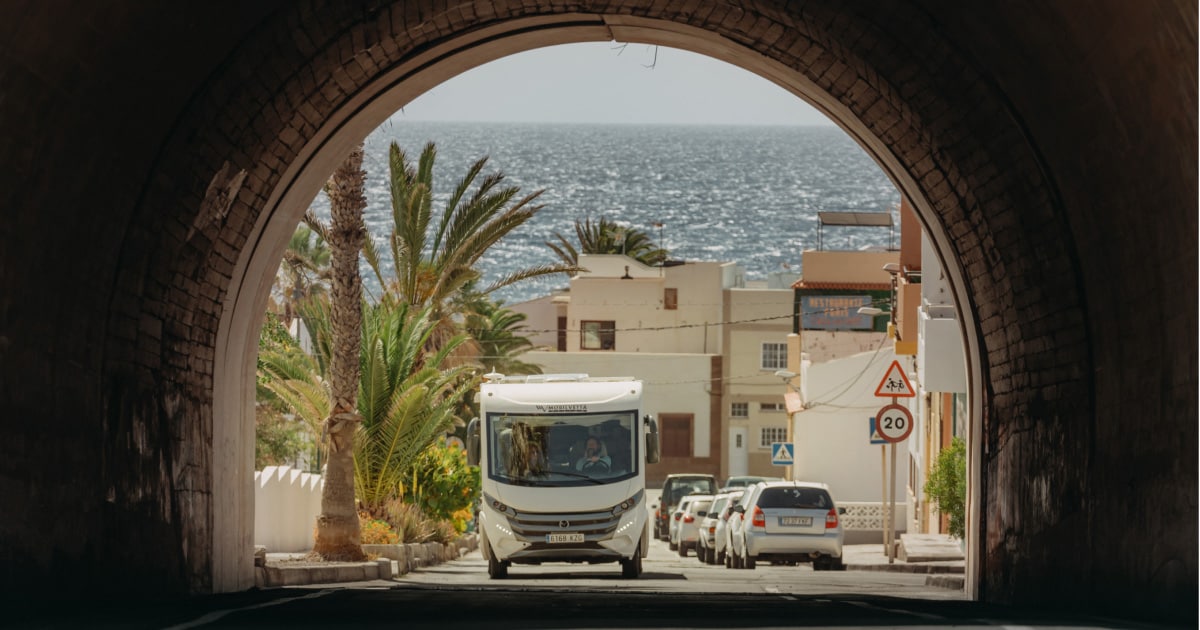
1055, 152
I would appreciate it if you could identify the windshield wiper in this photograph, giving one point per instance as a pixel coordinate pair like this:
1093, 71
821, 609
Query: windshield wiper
577, 475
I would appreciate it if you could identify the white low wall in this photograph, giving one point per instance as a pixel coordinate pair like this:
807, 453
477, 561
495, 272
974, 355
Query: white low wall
286, 505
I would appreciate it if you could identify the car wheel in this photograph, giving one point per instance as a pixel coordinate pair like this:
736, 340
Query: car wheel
727, 560
836, 564
631, 568
822, 563
682, 550
497, 569
721, 558
672, 546
750, 562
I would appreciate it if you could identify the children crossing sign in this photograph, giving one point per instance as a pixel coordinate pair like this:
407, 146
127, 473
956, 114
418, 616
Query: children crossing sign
782, 453
895, 384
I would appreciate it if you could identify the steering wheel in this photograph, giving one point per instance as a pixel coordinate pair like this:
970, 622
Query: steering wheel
597, 466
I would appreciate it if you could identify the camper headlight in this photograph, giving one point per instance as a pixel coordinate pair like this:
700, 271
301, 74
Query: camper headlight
628, 504
498, 506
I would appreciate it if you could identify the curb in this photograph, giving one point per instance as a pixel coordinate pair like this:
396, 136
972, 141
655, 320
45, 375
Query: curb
908, 568
956, 582
392, 561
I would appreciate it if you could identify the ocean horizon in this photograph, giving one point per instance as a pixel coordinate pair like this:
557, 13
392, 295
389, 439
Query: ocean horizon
747, 194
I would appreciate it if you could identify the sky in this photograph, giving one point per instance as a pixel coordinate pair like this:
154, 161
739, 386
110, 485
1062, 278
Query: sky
605, 82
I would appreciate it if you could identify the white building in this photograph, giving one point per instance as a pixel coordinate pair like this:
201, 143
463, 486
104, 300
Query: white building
706, 344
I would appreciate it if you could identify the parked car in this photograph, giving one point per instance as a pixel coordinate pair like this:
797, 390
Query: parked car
677, 519
788, 522
689, 522
732, 524
675, 487
744, 481
721, 536
707, 531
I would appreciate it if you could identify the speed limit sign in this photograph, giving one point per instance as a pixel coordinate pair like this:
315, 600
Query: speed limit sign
894, 423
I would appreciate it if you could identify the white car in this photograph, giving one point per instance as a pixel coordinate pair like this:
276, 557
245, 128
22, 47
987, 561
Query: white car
788, 522
688, 530
676, 517
720, 542
733, 523
707, 530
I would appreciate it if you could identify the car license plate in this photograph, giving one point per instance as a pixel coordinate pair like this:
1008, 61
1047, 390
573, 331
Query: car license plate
564, 538
804, 521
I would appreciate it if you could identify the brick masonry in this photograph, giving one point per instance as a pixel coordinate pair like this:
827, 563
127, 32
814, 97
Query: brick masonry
1054, 152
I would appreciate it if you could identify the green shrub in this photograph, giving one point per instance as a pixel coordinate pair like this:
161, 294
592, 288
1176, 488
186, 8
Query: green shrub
442, 483
444, 532
376, 532
408, 521
947, 485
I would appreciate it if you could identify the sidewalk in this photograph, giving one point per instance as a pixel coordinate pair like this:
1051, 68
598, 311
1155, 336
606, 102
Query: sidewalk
937, 555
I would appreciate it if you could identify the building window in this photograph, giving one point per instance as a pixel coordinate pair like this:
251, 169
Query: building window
676, 435
774, 356
771, 407
595, 335
739, 410
670, 299
771, 435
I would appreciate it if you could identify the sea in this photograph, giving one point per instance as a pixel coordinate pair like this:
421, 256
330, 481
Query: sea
743, 194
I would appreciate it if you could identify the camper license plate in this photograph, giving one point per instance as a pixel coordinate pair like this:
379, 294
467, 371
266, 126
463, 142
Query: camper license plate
804, 521
564, 538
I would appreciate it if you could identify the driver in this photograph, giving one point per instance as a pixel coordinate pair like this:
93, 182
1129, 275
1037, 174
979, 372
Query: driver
595, 459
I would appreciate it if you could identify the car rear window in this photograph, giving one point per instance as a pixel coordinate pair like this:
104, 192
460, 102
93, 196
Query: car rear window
801, 498
700, 508
682, 487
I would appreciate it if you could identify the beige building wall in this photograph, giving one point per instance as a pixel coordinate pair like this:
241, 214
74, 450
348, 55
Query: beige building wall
847, 267
674, 349
757, 317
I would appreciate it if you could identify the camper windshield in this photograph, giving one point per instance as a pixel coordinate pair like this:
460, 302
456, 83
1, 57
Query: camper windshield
562, 449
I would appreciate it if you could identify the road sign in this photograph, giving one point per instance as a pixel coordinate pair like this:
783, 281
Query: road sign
895, 384
875, 437
895, 423
782, 453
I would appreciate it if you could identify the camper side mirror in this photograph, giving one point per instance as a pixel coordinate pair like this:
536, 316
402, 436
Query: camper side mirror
651, 440
473, 442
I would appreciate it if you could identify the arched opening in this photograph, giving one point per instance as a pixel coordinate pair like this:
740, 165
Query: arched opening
384, 94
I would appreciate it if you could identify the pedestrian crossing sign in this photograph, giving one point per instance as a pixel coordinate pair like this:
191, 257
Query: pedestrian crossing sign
876, 438
782, 453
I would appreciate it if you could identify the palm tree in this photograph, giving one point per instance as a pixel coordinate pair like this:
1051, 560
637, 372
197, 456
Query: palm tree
436, 255
407, 400
607, 237
304, 271
338, 534
498, 333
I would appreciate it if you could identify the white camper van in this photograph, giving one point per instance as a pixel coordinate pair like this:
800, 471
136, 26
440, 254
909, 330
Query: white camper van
563, 460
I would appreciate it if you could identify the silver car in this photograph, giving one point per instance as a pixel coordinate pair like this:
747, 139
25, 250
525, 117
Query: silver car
788, 522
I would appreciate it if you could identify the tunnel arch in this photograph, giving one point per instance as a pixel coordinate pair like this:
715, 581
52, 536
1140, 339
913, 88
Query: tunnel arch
207, 228
925, 149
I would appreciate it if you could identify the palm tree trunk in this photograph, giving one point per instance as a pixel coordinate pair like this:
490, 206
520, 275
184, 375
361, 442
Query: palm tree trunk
338, 536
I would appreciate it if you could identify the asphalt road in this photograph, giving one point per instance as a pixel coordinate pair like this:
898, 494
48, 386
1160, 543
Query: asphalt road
674, 592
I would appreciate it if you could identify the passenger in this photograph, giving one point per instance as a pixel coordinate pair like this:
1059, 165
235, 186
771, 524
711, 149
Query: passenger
595, 459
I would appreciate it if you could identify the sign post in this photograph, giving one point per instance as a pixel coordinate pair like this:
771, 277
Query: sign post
894, 423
